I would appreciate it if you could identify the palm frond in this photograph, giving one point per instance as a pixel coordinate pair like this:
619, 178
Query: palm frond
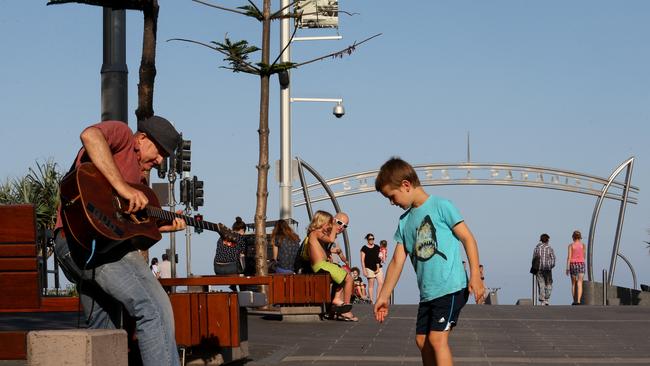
252, 11
237, 53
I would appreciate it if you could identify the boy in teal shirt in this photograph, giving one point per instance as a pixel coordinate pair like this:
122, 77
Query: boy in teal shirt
429, 233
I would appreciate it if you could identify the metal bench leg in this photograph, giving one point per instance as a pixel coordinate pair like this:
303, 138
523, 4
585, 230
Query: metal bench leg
182, 351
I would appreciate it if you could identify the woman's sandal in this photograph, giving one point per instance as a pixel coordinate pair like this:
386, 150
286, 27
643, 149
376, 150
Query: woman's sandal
339, 309
346, 318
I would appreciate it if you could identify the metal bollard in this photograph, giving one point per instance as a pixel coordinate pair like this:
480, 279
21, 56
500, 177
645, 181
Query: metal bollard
604, 287
534, 297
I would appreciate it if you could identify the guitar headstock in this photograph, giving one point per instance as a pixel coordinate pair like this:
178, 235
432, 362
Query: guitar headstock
227, 234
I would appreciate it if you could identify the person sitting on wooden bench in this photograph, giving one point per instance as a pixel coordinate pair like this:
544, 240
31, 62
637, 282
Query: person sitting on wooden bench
228, 254
322, 231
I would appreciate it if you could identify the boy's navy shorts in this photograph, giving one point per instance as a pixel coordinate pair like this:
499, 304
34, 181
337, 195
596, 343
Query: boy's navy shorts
440, 314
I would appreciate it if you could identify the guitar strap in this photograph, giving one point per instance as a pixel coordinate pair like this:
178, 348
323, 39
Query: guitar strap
92, 253
79, 157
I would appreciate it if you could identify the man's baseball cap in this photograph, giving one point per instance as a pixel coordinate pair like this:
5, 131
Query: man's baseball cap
162, 132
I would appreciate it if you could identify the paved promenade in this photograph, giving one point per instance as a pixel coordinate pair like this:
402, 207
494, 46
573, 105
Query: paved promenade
486, 335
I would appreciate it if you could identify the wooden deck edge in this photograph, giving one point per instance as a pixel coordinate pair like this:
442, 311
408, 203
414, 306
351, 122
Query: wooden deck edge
13, 345
50, 305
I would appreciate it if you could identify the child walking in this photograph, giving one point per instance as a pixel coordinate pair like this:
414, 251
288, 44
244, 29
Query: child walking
428, 233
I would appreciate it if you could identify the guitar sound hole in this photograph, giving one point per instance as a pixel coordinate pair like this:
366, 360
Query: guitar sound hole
141, 216
117, 205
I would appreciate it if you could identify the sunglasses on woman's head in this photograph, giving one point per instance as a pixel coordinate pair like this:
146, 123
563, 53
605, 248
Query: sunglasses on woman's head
341, 223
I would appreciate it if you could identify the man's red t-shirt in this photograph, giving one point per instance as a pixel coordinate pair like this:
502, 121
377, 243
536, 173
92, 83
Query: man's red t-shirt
122, 144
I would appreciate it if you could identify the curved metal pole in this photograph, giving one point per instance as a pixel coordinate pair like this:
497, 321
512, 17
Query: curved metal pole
305, 190
322, 181
594, 218
631, 270
619, 226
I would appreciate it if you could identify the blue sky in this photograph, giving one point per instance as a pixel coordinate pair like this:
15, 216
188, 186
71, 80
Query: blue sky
556, 84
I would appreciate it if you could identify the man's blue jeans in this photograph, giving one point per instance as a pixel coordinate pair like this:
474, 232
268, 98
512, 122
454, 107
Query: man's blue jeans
126, 282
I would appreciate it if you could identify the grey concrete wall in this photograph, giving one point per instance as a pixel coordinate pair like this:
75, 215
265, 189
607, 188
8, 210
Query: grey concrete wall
592, 294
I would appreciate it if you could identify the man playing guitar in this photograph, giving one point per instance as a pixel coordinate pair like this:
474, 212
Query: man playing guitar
121, 278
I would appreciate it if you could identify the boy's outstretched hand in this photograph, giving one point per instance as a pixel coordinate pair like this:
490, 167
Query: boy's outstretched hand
476, 287
381, 310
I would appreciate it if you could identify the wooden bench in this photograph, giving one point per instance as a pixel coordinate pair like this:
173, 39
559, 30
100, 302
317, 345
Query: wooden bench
210, 325
213, 325
297, 289
300, 289
20, 287
19, 281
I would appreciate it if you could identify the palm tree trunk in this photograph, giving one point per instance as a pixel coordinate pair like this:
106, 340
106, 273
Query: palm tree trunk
147, 71
263, 165
148, 61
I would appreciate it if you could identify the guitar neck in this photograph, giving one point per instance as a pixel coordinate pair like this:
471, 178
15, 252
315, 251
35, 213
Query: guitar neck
191, 221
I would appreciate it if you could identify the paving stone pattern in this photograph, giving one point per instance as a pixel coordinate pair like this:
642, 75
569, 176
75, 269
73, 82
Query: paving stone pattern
485, 335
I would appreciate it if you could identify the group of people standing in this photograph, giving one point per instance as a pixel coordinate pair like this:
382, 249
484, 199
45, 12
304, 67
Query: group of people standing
544, 261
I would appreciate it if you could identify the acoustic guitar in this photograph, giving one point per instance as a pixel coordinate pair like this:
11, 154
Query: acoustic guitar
94, 214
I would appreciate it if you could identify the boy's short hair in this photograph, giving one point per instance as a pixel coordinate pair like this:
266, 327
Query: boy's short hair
393, 172
544, 238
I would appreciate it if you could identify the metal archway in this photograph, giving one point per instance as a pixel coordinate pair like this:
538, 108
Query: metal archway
490, 174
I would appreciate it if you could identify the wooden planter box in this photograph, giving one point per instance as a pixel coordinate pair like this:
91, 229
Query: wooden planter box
19, 282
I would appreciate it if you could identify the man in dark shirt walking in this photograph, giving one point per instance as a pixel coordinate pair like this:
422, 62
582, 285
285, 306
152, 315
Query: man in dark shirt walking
546, 258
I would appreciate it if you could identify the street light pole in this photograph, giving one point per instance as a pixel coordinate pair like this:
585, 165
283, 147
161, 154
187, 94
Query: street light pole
286, 206
285, 119
114, 73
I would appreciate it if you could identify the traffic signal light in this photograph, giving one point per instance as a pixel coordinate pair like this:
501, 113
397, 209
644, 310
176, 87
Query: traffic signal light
183, 156
198, 228
162, 169
186, 191
197, 193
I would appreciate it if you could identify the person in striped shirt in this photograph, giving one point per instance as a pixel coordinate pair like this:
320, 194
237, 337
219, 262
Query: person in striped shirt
545, 256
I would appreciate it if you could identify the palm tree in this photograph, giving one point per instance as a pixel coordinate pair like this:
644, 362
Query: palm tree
45, 181
237, 55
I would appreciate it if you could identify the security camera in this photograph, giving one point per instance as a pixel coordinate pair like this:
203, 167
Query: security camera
339, 111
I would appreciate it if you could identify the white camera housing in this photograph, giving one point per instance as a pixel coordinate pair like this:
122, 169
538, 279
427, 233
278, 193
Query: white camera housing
338, 111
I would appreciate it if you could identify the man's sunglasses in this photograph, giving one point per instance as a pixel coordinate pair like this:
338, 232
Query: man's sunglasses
341, 223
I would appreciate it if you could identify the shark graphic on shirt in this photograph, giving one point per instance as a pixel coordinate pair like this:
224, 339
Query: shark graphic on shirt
426, 245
